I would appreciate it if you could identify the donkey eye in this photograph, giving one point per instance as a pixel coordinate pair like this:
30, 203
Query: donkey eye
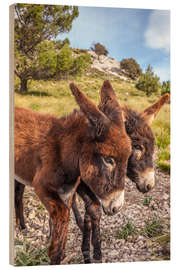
108, 160
138, 151
138, 147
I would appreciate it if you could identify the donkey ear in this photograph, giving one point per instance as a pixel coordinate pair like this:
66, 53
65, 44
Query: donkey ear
96, 118
150, 113
107, 92
110, 105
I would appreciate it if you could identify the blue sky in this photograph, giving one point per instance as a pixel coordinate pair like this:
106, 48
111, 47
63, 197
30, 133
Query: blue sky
139, 33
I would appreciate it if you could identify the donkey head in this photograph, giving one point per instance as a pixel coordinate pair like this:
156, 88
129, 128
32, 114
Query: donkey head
140, 164
105, 150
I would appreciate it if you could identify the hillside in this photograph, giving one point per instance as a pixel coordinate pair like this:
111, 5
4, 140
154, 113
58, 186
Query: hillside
105, 64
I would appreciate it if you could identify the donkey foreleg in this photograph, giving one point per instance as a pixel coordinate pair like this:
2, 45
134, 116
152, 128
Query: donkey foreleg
19, 190
96, 238
92, 226
86, 238
91, 222
58, 212
59, 219
77, 214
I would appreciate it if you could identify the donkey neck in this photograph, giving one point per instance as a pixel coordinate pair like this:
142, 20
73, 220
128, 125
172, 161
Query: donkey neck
65, 140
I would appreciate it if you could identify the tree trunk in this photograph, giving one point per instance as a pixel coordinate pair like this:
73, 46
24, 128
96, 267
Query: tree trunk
23, 88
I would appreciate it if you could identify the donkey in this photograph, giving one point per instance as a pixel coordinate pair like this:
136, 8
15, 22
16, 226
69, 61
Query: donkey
140, 167
52, 154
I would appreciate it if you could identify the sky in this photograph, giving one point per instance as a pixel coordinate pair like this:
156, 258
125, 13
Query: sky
142, 34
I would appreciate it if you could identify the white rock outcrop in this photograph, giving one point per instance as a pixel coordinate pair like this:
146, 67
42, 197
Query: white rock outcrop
107, 65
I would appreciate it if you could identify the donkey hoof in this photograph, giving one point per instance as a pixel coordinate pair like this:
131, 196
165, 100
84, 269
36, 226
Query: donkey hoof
97, 256
97, 260
21, 227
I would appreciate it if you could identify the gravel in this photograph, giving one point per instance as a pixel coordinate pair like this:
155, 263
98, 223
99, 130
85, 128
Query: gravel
136, 247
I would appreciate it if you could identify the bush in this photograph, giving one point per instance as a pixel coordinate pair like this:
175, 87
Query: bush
69, 65
59, 44
44, 64
80, 64
165, 87
131, 67
64, 62
148, 82
99, 49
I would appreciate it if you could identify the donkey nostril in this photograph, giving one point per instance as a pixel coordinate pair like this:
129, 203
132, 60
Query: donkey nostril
148, 187
115, 210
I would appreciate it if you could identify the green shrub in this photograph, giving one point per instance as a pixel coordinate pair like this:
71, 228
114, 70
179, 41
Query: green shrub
80, 63
99, 49
64, 62
131, 67
148, 82
165, 87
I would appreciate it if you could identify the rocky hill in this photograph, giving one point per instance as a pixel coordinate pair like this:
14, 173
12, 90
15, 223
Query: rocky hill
107, 65
104, 64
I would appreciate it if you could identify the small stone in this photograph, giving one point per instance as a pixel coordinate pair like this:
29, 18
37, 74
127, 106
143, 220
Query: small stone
32, 215
165, 196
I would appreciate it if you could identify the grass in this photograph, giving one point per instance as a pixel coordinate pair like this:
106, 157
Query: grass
146, 201
128, 229
163, 143
27, 255
153, 232
153, 228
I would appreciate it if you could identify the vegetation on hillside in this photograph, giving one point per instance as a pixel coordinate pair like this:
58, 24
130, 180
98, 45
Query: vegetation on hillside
149, 82
166, 86
132, 68
99, 49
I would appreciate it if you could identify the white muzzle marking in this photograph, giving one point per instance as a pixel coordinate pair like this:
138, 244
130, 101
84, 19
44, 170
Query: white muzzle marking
113, 203
149, 177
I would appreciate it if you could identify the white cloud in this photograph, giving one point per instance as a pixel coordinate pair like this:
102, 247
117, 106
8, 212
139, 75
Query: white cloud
157, 35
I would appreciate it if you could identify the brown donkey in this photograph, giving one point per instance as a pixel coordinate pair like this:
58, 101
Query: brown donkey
140, 167
51, 154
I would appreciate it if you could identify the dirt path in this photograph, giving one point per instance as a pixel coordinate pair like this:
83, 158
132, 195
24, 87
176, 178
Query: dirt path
140, 232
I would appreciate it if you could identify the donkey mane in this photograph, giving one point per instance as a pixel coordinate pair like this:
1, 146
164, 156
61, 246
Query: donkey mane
137, 127
135, 123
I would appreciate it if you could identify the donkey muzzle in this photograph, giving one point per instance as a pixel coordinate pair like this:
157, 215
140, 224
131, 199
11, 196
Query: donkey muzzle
114, 203
146, 180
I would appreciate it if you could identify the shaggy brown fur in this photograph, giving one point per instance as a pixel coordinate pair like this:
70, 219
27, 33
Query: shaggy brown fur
51, 153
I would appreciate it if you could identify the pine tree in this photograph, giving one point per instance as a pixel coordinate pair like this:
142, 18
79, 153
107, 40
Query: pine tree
148, 82
64, 62
166, 86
